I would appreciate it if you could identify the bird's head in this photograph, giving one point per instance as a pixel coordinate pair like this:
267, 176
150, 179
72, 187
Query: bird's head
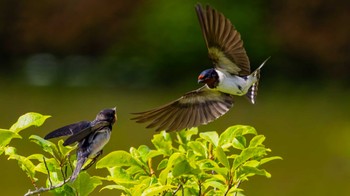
109, 115
209, 77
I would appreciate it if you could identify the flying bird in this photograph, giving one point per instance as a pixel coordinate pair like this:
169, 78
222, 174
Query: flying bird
229, 76
91, 137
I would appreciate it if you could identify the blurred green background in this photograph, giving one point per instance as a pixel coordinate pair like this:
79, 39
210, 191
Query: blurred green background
70, 59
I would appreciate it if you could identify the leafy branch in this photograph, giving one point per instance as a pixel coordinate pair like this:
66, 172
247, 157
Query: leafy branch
192, 164
181, 163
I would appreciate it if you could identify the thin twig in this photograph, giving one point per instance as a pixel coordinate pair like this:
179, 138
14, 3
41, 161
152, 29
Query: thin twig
42, 189
151, 171
48, 171
177, 189
238, 183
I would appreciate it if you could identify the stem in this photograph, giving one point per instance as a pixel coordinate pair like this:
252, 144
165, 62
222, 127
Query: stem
200, 188
150, 167
42, 189
48, 172
177, 189
238, 183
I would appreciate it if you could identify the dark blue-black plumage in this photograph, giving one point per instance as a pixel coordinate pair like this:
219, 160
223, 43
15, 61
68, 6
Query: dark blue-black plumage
91, 137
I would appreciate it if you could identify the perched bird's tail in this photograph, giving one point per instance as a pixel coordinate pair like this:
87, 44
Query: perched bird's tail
77, 169
253, 90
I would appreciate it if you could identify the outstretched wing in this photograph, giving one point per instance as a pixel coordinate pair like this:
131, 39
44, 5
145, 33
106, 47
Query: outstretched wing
84, 133
68, 130
195, 108
224, 43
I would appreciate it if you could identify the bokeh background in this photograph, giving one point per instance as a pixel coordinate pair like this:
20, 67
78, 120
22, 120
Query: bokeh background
70, 59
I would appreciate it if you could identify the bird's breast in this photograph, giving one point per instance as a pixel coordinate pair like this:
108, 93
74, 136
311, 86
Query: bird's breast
101, 138
231, 84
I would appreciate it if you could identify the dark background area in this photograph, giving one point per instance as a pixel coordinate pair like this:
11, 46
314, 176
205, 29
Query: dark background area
70, 59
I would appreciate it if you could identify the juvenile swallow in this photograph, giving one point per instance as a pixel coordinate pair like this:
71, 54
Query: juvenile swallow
91, 137
229, 76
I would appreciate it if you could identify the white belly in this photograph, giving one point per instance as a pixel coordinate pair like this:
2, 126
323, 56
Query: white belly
234, 85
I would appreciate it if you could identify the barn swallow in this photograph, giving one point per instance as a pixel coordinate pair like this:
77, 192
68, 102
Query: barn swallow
229, 76
91, 137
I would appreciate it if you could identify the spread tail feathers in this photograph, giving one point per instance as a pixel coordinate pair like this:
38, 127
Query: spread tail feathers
253, 90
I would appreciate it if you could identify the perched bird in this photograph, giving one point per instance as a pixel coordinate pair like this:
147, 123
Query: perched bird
91, 137
229, 76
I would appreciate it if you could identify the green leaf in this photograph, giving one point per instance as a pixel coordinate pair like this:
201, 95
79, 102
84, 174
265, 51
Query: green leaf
65, 190
85, 184
157, 190
46, 145
239, 142
118, 187
257, 141
211, 137
198, 148
215, 184
24, 163
247, 154
182, 168
246, 171
265, 160
252, 163
162, 164
220, 154
143, 151
163, 143
5, 138
173, 159
210, 165
64, 150
27, 120
116, 159
121, 176
147, 181
185, 136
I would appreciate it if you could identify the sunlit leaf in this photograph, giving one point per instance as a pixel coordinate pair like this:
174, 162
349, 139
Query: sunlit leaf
239, 142
144, 151
198, 148
64, 150
27, 120
240, 130
185, 135
147, 181
5, 138
211, 137
65, 190
85, 183
173, 159
163, 143
247, 154
216, 185
46, 145
115, 186
156, 190
265, 160
257, 141
220, 154
251, 171
24, 163
162, 164
115, 159
252, 163
182, 168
